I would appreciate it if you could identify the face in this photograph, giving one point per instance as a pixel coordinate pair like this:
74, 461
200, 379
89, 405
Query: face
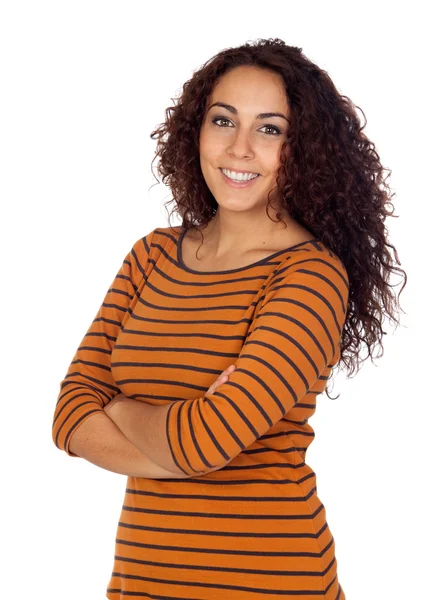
236, 137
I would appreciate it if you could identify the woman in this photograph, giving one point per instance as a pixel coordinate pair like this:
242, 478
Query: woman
199, 374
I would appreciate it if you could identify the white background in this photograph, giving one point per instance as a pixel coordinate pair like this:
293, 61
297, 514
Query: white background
83, 85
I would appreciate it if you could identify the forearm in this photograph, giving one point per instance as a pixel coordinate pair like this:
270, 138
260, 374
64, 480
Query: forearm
145, 426
99, 440
139, 422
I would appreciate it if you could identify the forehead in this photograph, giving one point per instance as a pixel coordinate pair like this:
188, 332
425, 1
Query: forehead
251, 88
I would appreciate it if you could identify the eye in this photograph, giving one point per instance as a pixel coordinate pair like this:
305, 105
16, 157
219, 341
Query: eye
220, 119
278, 132
276, 129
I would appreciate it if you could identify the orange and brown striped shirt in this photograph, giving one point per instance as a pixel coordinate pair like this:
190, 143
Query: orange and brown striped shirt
163, 334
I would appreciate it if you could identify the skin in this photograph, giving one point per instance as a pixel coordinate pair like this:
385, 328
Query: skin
242, 142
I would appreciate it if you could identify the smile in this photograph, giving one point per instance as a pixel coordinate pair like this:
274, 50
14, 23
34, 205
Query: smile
239, 183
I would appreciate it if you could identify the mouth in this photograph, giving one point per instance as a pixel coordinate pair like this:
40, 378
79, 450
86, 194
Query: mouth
238, 184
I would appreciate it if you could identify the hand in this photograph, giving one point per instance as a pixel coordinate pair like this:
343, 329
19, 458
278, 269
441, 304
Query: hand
219, 381
223, 378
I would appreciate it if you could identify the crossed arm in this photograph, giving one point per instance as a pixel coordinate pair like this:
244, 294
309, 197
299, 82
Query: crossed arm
145, 426
129, 438
295, 337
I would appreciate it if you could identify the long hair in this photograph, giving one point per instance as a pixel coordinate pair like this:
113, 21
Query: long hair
330, 179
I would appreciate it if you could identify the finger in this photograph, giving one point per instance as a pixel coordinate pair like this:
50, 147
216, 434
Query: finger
225, 375
219, 381
222, 378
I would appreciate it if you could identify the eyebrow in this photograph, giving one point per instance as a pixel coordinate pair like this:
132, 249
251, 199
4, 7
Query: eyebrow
266, 115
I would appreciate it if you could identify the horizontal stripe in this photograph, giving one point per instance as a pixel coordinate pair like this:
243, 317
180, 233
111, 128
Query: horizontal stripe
162, 335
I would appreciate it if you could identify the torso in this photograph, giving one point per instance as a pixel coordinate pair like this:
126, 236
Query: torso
192, 241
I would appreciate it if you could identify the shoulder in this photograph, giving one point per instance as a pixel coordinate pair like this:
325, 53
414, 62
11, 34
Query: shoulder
157, 237
142, 246
159, 241
164, 235
316, 257
313, 271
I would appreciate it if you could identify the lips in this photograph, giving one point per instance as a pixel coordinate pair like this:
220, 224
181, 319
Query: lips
238, 184
239, 172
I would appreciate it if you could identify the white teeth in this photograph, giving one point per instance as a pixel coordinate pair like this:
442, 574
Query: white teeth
239, 176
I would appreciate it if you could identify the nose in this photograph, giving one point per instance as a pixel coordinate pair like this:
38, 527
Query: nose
240, 145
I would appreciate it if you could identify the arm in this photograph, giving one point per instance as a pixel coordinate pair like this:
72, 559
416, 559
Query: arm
89, 383
145, 426
102, 443
294, 340
293, 343
80, 417
137, 420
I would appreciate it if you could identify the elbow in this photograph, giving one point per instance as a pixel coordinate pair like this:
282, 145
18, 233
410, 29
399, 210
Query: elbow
69, 417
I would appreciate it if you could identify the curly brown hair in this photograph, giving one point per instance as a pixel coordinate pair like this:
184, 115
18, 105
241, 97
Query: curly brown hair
331, 180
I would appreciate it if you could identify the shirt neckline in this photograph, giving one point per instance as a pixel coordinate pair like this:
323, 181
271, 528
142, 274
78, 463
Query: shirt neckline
250, 266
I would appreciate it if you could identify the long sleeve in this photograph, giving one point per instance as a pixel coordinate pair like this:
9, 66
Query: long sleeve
296, 335
88, 384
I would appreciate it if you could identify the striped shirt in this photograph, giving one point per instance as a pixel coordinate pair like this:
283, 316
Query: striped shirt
163, 334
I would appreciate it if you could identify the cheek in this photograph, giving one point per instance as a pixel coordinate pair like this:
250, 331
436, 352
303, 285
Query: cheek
209, 146
271, 155
203, 140
275, 163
